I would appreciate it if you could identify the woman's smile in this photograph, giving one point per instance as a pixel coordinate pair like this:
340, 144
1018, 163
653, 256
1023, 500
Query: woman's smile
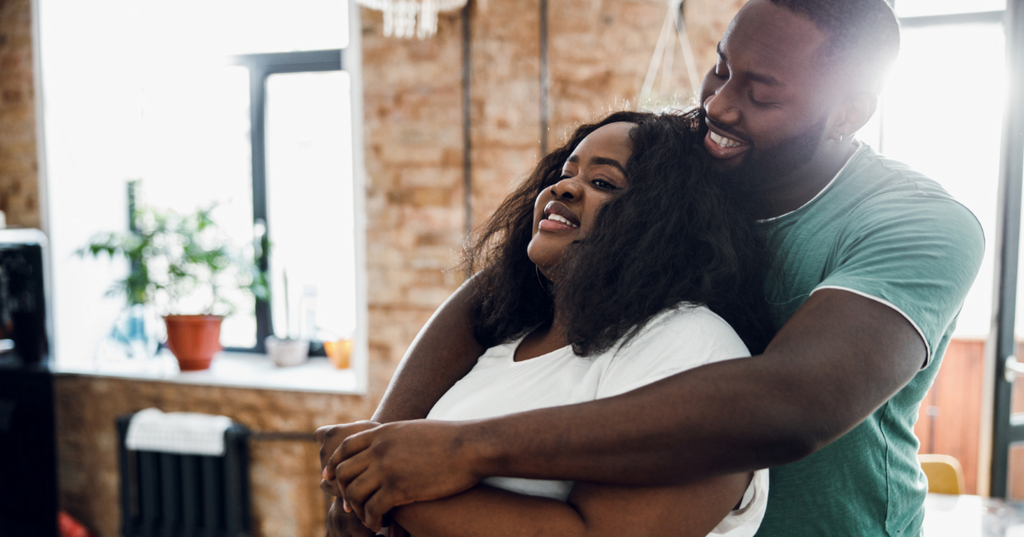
558, 218
564, 212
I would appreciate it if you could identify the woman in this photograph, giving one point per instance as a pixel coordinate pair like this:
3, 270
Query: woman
620, 261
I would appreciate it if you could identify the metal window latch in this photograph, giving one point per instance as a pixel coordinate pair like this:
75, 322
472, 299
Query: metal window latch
1012, 368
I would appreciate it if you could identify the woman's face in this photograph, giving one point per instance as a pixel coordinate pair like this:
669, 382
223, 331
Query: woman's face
564, 212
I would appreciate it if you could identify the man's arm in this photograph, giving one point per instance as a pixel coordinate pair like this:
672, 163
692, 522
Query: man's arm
838, 359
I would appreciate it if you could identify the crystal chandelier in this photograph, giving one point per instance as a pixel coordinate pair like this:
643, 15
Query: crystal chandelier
405, 18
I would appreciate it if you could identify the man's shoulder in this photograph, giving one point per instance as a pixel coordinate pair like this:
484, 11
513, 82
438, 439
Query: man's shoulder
878, 177
878, 190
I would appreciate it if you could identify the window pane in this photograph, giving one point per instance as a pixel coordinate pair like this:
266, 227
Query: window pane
931, 84
934, 78
140, 90
185, 167
919, 8
249, 26
310, 203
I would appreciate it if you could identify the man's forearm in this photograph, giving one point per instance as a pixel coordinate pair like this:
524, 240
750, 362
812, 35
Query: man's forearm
442, 353
819, 378
633, 439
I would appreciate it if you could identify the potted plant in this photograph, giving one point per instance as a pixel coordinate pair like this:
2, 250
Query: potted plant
186, 266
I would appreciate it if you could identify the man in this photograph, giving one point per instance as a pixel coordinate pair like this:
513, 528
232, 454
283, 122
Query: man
873, 263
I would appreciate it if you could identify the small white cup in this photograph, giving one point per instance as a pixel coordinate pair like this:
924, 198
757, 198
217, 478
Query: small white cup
287, 352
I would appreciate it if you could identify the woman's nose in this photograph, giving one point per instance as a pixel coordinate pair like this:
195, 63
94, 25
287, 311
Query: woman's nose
567, 189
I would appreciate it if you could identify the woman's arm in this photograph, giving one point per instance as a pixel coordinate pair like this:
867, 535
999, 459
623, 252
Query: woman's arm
442, 353
592, 510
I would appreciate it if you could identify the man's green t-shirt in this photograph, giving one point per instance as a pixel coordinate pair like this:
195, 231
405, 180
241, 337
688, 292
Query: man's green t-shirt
890, 234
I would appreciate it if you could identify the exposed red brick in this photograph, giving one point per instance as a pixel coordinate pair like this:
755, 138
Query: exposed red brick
19, 181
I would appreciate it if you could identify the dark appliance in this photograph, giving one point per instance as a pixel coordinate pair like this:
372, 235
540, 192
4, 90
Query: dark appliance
28, 469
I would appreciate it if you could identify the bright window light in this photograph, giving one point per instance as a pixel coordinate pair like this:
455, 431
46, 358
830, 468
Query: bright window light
919, 8
307, 147
143, 89
941, 113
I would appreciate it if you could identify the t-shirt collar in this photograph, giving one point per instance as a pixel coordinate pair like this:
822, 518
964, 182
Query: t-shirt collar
860, 148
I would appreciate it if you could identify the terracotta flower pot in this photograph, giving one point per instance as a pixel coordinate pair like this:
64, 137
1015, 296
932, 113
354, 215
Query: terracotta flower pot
193, 339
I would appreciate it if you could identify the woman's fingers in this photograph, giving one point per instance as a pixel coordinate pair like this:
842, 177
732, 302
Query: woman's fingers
330, 488
349, 469
331, 439
359, 478
375, 508
360, 488
342, 524
404, 462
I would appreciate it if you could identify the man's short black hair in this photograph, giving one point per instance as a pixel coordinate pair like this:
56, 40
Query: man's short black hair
864, 35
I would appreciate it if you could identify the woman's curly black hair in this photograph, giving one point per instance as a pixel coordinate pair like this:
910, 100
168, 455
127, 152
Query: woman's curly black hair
677, 234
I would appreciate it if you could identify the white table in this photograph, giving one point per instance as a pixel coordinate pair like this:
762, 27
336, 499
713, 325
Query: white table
972, 516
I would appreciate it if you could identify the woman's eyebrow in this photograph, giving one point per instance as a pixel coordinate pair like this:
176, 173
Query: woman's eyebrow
610, 162
597, 161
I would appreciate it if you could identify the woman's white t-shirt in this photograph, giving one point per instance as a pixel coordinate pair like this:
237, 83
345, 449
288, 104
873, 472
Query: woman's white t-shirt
676, 340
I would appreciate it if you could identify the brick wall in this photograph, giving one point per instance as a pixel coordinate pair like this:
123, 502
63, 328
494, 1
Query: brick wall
286, 498
599, 51
19, 184
413, 133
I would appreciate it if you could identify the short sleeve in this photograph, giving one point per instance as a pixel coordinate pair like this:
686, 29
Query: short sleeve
917, 254
680, 339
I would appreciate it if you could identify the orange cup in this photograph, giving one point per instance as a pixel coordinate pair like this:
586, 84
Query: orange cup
339, 352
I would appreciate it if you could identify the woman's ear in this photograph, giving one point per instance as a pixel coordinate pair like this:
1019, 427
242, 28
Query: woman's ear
855, 111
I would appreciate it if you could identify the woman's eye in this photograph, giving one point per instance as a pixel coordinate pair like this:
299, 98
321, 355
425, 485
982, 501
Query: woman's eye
605, 185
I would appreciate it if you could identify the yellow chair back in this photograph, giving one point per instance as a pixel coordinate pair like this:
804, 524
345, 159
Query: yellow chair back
945, 475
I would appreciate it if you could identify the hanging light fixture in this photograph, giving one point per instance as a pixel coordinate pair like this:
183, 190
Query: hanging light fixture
664, 52
405, 18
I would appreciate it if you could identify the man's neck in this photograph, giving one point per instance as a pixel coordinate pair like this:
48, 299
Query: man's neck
789, 193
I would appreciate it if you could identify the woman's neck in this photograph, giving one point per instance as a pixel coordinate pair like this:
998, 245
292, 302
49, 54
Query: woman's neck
545, 338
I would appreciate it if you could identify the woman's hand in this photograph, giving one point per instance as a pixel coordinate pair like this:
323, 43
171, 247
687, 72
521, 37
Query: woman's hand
343, 524
330, 437
400, 463
347, 524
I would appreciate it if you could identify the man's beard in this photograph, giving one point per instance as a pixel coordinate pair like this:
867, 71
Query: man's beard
761, 168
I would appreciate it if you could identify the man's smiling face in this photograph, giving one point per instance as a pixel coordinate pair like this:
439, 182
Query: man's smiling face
766, 100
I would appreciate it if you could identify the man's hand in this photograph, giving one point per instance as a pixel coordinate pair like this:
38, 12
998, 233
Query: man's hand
329, 437
399, 463
343, 524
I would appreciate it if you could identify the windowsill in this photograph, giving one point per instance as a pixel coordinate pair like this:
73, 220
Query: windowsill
235, 369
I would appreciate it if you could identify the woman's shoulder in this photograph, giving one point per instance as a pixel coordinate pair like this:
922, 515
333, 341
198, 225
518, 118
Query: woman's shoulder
680, 338
689, 324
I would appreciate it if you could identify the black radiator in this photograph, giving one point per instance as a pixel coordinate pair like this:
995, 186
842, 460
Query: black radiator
172, 495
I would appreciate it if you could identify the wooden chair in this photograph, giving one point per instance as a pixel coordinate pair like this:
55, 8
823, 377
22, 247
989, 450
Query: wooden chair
945, 475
